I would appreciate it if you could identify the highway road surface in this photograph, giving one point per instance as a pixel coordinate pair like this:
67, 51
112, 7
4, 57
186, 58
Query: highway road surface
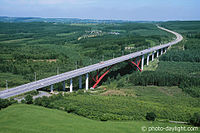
78, 72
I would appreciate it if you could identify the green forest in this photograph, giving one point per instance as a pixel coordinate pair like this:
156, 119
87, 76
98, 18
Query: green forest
169, 88
49, 48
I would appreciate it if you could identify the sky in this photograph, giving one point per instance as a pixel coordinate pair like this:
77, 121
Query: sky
135, 10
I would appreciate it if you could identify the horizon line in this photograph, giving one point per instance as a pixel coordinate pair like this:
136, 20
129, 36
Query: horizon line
126, 20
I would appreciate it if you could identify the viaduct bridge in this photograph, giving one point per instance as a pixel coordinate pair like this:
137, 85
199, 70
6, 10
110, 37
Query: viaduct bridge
50, 81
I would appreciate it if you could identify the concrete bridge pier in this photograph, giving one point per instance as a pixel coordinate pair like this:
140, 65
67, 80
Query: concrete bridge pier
63, 85
161, 51
165, 50
51, 89
80, 82
71, 85
157, 53
152, 56
142, 64
147, 59
87, 82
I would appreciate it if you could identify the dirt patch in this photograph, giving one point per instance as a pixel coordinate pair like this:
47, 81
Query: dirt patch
171, 91
163, 90
50, 60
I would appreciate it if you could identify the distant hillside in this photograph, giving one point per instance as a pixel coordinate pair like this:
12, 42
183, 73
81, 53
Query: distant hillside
56, 20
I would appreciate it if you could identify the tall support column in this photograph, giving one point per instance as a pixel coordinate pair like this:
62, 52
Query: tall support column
63, 85
165, 50
71, 85
142, 64
51, 88
147, 59
161, 51
80, 82
153, 56
157, 53
87, 82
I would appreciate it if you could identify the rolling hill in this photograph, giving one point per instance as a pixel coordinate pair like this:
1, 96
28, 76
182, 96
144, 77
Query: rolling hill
22, 118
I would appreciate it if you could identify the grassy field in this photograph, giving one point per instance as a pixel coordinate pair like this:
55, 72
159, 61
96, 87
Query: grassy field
129, 103
33, 119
